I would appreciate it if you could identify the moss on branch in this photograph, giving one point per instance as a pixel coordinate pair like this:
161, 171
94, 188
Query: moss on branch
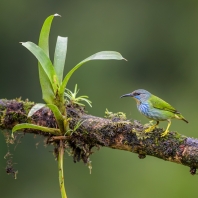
114, 132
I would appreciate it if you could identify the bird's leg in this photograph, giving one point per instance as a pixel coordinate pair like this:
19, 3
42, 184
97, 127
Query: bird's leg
166, 131
151, 128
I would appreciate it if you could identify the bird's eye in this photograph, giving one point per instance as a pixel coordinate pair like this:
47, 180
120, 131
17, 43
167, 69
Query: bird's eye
136, 94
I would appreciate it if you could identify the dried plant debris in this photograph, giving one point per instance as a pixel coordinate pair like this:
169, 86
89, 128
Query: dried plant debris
9, 167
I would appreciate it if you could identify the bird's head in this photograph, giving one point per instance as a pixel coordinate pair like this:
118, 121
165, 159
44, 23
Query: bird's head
140, 95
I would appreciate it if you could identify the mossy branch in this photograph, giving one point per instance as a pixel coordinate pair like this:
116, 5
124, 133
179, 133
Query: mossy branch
113, 132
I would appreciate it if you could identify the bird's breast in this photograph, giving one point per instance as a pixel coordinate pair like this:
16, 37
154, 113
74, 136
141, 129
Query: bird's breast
143, 108
153, 113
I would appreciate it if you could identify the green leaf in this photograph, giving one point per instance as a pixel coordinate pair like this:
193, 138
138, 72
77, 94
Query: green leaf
72, 96
104, 55
47, 88
45, 63
59, 56
58, 116
35, 108
44, 34
36, 127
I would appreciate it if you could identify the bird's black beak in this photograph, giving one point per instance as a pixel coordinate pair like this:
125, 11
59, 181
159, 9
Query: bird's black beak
127, 95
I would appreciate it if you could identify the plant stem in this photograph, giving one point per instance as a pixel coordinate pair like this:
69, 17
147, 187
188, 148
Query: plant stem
60, 169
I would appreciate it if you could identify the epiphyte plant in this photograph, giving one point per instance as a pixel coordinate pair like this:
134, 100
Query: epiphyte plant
53, 87
51, 75
76, 100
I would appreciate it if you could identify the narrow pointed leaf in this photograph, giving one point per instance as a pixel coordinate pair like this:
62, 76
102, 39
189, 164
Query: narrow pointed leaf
46, 86
35, 108
36, 127
104, 55
45, 63
44, 34
59, 56
58, 116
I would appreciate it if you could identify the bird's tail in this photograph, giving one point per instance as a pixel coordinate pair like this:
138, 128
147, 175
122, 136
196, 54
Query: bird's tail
181, 117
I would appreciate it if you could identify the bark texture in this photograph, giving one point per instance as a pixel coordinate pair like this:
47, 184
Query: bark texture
114, 132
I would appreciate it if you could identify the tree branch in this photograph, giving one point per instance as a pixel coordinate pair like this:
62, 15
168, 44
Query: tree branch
113, 132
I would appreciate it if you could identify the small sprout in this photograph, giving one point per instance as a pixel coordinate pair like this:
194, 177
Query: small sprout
114, 116
70, 131
76, 100
77, 125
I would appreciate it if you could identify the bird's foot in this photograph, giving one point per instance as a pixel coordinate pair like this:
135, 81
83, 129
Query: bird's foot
150, 128
165, 133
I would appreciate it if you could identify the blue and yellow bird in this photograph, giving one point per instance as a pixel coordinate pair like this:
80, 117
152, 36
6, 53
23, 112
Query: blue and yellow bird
154, 108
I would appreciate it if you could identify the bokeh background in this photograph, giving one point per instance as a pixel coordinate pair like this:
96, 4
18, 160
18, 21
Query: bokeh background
160, 41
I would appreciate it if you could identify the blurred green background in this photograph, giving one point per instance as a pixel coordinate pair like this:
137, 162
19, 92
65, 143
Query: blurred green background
160, 41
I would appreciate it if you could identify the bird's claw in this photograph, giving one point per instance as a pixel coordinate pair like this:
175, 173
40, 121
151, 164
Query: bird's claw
165, 133
149, 129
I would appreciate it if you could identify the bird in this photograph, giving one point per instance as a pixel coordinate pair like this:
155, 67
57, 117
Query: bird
154, 108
